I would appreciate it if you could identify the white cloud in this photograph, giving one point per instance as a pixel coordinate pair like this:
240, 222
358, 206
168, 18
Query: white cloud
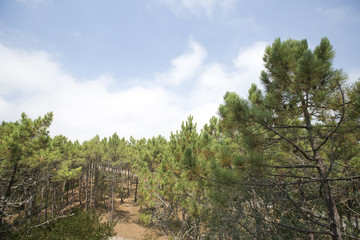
32, 82
216, 79
197, 7
251, 58
185, 66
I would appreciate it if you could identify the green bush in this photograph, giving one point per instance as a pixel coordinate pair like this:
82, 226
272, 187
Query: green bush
145, 218
82, 225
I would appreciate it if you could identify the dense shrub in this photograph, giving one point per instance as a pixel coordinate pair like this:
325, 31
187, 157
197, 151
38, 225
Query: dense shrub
82, 225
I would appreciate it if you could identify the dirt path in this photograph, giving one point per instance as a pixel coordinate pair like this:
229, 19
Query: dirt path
128, 226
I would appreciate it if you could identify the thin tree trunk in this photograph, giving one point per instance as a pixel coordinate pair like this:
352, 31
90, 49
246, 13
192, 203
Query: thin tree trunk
53, 201
41, 206
62, 196
47, 199
31, 204
72, 193
121, 187
136, 188
95, 184
86, 189
67, 192
112, 193
131, 182
128, 182
25, 204
80, 187
91, 185
110, 200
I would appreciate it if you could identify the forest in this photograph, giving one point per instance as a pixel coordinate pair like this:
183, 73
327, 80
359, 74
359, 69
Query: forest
282, 164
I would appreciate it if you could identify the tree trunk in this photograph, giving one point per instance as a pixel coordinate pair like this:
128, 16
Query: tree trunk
128, 182
62, 196
47, 200
72, 193
121, 187
41, 205
86, 189
95, 183
53, 201
80, 186
110, 200
25, 204
325, 188
31, 204
335, 225
91, 185
67, 192
136, 188
112, 193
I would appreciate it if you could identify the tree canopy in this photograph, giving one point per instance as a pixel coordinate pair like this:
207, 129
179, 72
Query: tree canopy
282, 164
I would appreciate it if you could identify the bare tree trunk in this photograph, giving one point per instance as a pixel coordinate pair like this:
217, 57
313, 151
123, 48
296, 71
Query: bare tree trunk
86, 189
128, 182
62, 196
67, 192
110, 200
112, 193
95, 183
121, 186
131, 182
47, 200
91, 185
136, 188
72, 193
53, 201
25, 204
41, 206
80, 187
31, 204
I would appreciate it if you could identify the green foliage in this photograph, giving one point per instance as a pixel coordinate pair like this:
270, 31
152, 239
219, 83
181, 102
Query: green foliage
82, 225
282, 164
23, 147
145, 218
293, 133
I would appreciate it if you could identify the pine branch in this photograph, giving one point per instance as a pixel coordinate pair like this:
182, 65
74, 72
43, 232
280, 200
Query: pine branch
289, 141
291, 166
49, 221
304, 230
261, 184
339, 123
305, 213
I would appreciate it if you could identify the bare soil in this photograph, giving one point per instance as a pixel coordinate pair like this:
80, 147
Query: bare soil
128, 225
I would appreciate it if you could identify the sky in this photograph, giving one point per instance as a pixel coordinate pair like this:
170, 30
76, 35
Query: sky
141, 67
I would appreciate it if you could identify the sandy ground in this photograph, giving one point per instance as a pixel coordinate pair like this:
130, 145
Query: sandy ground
128, 226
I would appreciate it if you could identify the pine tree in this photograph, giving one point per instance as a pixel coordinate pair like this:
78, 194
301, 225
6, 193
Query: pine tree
289, 135
22, 145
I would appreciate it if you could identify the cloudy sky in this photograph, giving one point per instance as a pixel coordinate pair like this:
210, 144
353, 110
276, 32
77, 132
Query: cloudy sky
140, 67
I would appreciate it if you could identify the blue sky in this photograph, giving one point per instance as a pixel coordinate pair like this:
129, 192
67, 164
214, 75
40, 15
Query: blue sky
141, 67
